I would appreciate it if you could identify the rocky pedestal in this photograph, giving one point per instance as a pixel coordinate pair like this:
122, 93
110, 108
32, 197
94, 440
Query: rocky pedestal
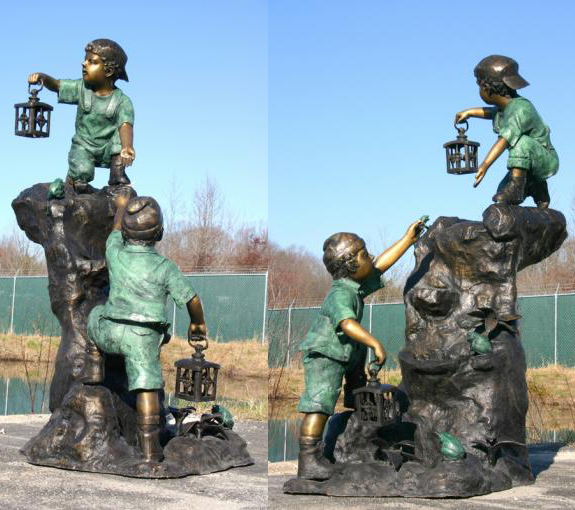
93, 428
462, 288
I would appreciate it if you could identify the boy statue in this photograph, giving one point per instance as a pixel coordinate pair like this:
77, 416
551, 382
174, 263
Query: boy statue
133, 322
336, 345
532, 158
105, 117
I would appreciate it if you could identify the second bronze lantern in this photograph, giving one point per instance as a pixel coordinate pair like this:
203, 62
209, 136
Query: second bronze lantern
196, 378
461, 153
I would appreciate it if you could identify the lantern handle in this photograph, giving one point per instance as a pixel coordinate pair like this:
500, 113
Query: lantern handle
34, 92
196, 339
461, 130
374, 368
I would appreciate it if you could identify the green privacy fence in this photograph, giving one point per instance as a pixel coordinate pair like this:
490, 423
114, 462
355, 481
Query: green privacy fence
547, 329
234, 305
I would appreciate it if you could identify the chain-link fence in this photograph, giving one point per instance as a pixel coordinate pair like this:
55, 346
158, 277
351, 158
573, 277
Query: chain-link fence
235, 306
547, 329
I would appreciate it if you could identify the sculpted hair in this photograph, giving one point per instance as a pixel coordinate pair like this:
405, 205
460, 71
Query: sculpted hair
496, 87
338, 258
112, 55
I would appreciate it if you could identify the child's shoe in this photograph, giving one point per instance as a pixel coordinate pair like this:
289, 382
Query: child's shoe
312, 465
513, 192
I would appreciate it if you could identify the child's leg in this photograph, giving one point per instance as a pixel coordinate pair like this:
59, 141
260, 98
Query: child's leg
80, 167
148, 408
117, 171
511, 189
323, 378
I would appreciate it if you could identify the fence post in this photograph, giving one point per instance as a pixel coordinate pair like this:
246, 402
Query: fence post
265, 309
369, 351
174, 319
13, 302
555, 324
285, 440
6, 401
289, 333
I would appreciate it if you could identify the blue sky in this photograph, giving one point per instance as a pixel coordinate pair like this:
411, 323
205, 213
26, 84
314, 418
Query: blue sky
362, 97
198, 82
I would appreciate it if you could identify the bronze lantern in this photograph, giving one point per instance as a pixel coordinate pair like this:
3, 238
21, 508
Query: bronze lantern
375, 403
32, 119
461, 153
196, 378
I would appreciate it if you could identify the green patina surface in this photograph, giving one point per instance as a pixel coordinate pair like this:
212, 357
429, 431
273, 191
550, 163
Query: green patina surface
344, 301
328, 353
131, 320
98, 121
140, 281
530, 145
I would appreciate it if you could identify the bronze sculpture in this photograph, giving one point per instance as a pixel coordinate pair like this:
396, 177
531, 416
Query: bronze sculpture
336, 344
532, 158
105, 118
108, 288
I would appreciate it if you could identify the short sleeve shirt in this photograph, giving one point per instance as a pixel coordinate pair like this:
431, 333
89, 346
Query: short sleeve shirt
520, 118
98, 118
344, 301
140, 281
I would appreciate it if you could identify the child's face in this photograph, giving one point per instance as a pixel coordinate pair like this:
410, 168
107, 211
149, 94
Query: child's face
93, 70
364, 263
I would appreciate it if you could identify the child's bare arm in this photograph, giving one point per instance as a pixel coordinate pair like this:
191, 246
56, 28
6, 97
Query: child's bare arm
397, 249
128, 154
46, 80
479, 112
498, 147
121, 201
357, 332
196, 313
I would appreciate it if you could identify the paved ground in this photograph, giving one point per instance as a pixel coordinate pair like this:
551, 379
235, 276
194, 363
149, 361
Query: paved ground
554, 489
23, 486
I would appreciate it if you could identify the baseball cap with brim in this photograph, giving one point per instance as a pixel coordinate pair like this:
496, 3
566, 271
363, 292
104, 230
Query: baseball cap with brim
499, 67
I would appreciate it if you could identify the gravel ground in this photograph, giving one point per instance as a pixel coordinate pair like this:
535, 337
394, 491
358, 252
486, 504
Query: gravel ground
24, 486
554, 489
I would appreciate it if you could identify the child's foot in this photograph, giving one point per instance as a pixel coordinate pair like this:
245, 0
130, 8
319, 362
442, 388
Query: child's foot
312, 465
513, 192
118, 176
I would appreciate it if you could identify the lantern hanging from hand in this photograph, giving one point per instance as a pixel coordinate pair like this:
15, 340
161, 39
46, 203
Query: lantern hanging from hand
32, 119
376, 403
461, 153
196, 378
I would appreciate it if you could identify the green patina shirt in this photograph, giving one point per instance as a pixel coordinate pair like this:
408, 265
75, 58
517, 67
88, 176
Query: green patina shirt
140, 281
344, 301
519, 119
98, 118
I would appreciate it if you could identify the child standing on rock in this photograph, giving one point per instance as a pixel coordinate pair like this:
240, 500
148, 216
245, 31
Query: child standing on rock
105, 117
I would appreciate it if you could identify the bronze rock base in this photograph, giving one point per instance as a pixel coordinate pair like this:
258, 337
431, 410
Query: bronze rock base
84, 435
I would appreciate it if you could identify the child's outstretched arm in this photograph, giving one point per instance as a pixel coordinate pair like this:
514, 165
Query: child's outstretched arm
196, 313
397, 249
498, 147
479, 113
46, 80
121, 201
357, 332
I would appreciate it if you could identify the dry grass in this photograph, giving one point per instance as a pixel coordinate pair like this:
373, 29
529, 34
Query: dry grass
551, 397
241, 381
